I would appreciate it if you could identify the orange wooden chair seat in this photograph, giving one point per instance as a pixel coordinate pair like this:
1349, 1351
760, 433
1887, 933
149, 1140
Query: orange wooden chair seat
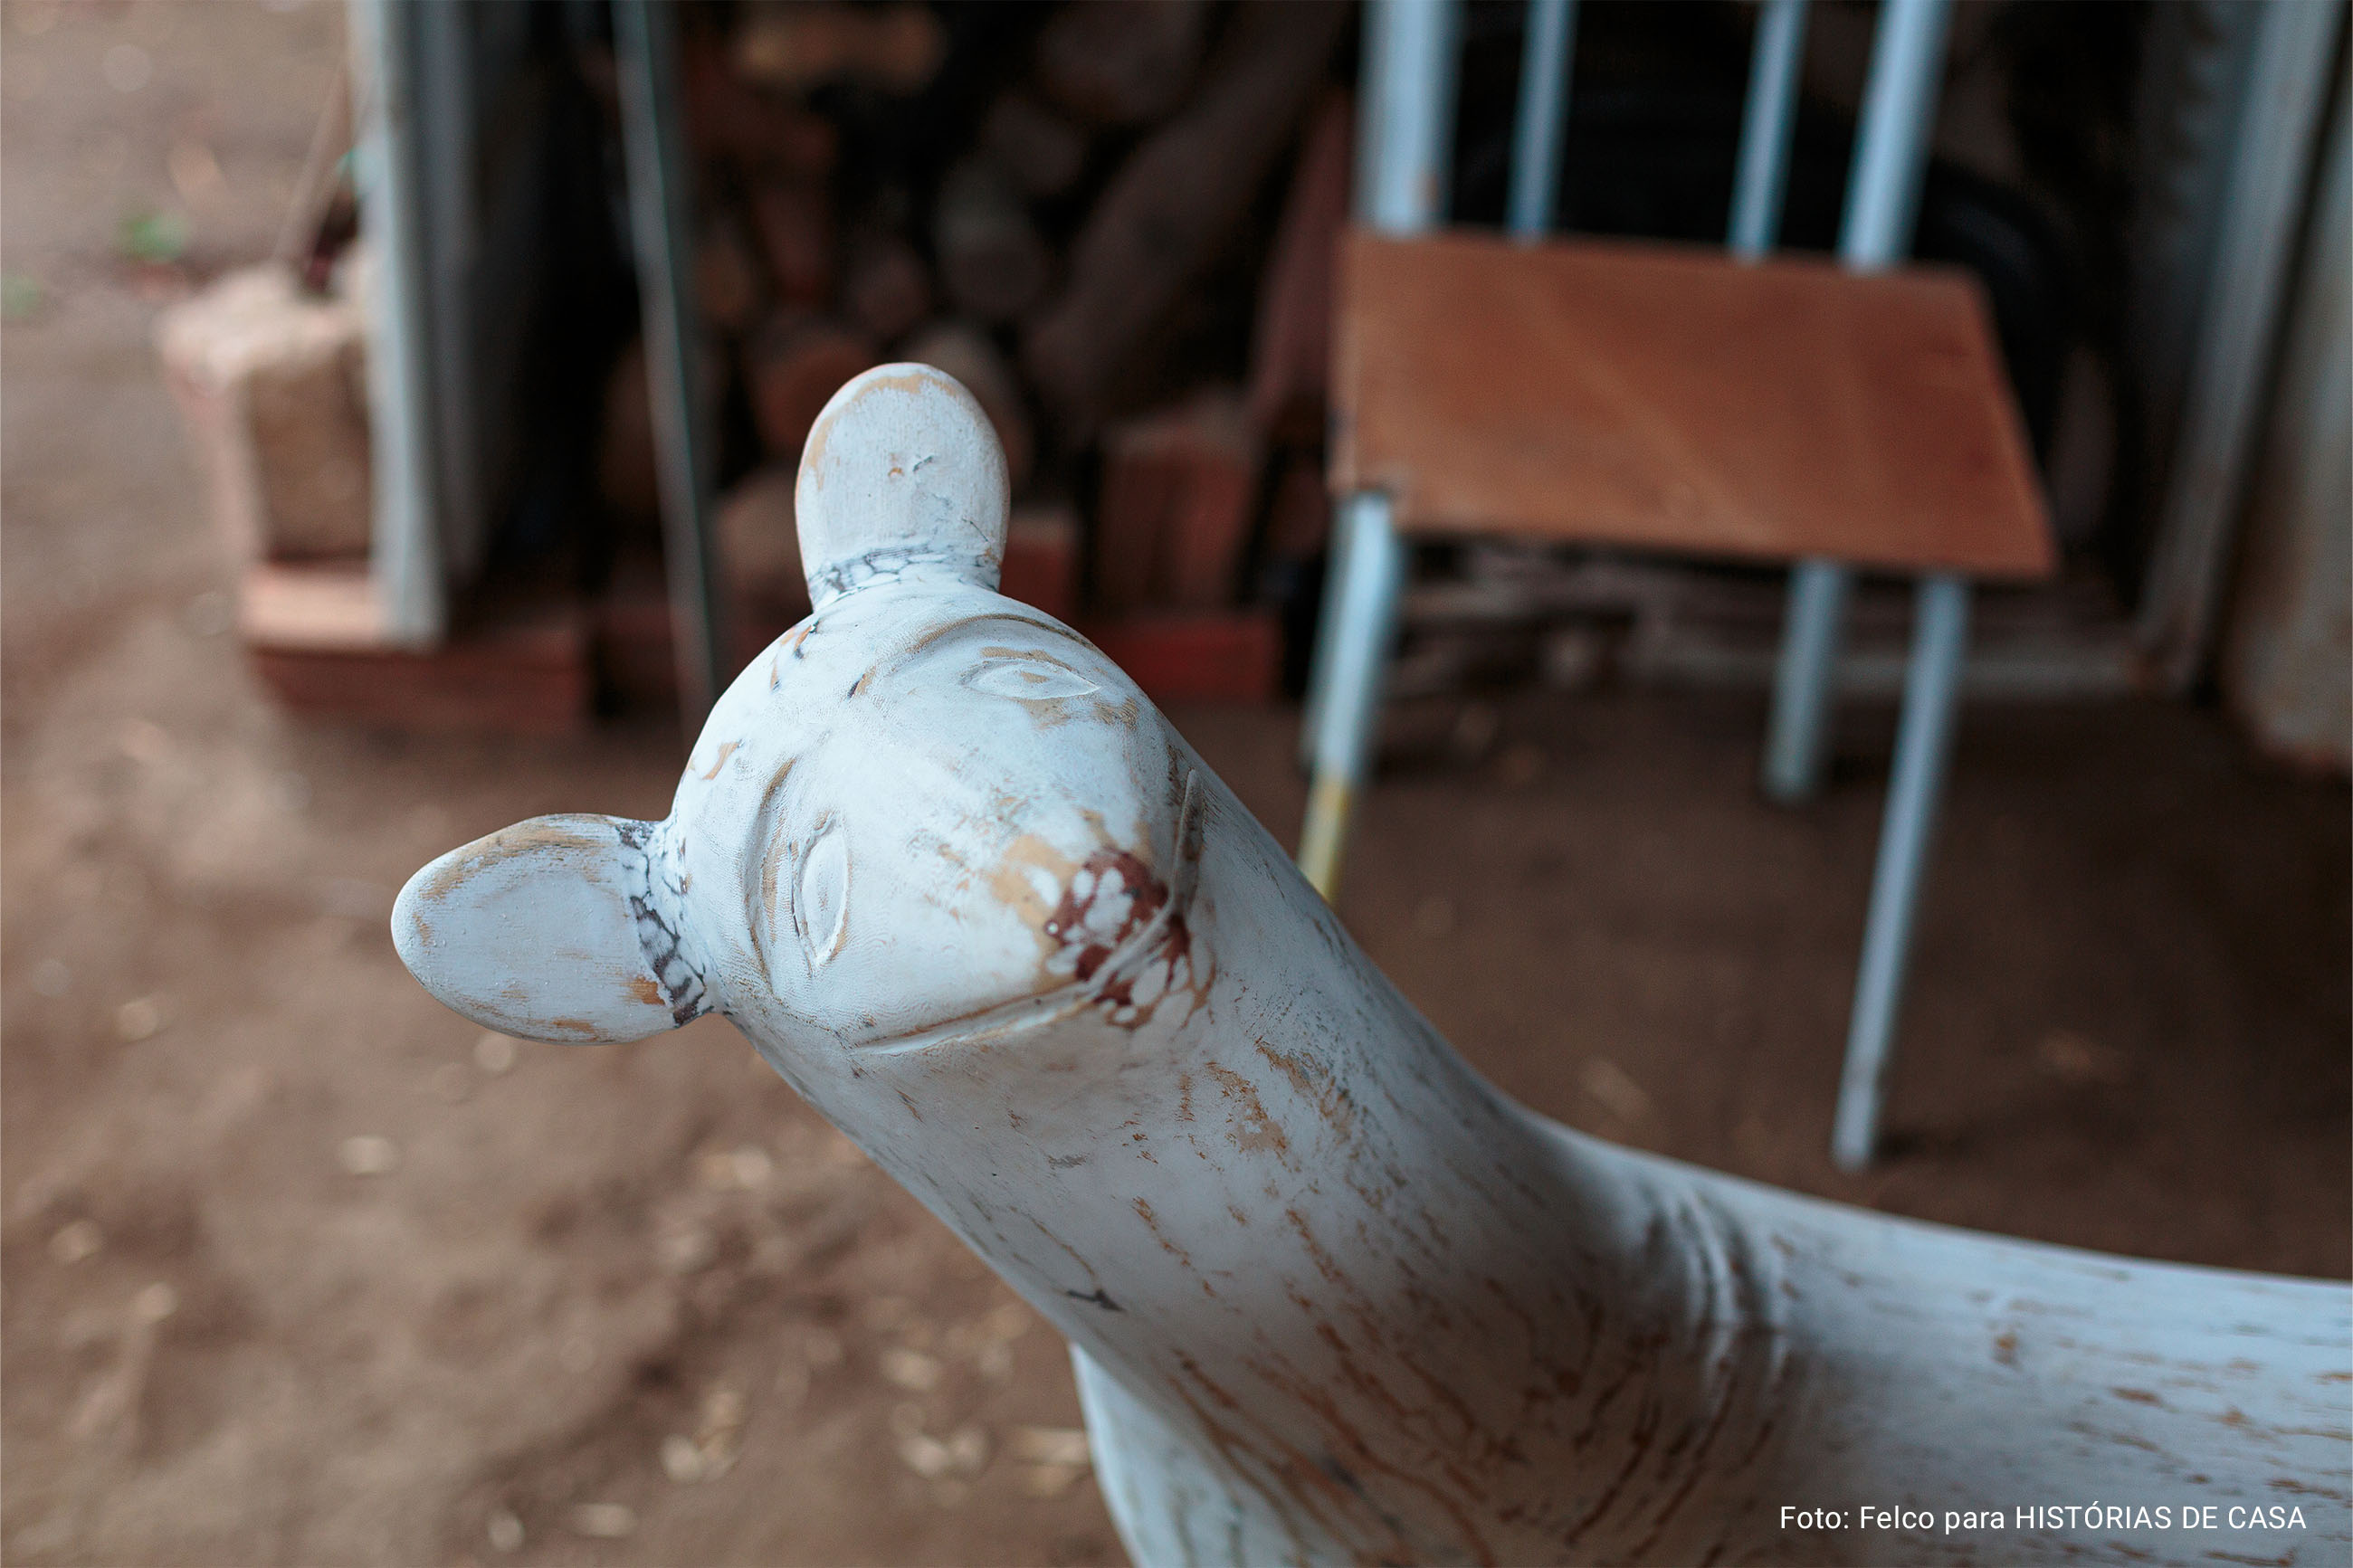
1669, 398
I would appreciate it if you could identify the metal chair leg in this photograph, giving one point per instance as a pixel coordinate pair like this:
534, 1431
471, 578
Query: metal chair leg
1798, 741
1923, 743
1882, 196
1327, 631
661, 207
1364, 606
1405, 142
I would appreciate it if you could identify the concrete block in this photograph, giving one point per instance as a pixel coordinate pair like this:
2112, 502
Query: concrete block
272, 385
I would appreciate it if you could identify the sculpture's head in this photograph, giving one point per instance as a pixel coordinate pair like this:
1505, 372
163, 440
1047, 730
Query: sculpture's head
925, 812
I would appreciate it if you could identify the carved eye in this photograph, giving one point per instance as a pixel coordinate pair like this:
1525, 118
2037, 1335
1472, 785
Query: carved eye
1028, 680
821, 906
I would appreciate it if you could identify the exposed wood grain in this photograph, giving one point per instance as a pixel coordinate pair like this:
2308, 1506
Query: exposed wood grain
1171, 207
1675, 399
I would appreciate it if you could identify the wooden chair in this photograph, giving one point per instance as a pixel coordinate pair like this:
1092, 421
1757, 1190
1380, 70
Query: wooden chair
1711, 404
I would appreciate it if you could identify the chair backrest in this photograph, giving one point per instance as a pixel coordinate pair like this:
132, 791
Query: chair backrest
1405, 136
1661, 397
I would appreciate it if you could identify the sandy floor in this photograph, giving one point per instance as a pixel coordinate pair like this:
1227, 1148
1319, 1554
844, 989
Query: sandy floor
297, 1271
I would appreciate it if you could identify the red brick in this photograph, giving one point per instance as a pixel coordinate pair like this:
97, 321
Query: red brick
1180, 487
1233, 656
1042, 560
315, 637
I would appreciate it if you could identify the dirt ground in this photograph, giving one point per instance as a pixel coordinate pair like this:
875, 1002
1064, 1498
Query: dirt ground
300, 1268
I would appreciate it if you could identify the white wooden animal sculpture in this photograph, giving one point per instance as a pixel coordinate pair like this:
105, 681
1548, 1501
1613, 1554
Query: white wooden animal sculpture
1332, 1298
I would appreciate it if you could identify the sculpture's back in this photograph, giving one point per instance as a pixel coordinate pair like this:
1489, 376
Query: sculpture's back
1332, 1297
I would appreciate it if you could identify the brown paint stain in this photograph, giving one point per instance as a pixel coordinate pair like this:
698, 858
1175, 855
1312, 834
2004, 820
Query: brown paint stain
1316, 1398
1315, 1084
1031, 653
1080, 932
1325, 1264
1152, 1223
2137, 1395
1304, 1484
720, 761
540, 834
2005, 1348
949, 628
1174, 952
1258, 1129
2286, 1485
647, 990
1017, 890
813, 454
1072, 923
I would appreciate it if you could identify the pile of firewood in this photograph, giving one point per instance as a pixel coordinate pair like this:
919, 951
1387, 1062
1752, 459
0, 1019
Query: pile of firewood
1113, 222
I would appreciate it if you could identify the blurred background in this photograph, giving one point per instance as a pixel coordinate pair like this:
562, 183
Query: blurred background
332, 519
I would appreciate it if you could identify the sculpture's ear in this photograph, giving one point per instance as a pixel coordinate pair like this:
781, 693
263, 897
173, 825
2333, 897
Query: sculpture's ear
902, 469
540, 931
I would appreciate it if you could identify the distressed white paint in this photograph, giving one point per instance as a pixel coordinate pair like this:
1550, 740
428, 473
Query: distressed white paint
1332, 1297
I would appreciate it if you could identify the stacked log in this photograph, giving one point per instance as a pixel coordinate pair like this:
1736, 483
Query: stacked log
1115, 230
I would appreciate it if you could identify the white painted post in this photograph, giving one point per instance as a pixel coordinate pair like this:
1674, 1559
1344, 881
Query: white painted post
406, 560
2287, 92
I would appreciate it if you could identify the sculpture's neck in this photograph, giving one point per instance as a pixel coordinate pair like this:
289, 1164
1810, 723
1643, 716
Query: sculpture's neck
1285, 1215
